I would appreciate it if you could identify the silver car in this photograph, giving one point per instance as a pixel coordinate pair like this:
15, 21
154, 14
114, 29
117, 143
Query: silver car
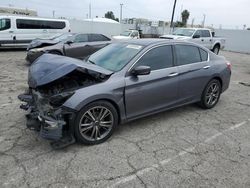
70, 99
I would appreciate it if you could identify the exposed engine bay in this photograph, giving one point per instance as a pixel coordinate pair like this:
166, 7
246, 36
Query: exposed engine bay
70, 82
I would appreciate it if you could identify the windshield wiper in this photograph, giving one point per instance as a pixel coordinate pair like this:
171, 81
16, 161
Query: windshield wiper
91, 62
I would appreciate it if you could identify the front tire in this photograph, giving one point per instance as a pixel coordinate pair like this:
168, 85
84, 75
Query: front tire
211, 94
95, 123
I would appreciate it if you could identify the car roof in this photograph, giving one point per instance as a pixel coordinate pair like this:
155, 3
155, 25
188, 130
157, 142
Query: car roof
154, 41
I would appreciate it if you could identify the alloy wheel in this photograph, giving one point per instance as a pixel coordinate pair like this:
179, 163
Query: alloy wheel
212, 95
96, 123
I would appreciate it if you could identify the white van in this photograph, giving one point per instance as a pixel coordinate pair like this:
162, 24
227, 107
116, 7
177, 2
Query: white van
23, 29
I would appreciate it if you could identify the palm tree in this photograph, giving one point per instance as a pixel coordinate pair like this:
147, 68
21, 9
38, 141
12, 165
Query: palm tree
184, 17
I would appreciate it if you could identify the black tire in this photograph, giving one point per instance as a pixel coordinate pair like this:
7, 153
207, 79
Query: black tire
85, 120
209, 99
216, 49
55, 52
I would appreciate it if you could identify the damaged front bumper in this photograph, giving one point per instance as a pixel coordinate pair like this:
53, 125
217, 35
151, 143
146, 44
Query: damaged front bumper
53, 123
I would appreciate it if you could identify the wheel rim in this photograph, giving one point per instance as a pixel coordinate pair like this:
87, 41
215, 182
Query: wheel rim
96, 123
216, 50
212, 94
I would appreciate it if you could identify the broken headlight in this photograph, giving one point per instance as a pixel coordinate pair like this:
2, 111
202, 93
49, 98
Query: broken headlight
59, 99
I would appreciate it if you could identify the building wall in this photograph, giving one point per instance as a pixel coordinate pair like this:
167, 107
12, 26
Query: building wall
108, 29
236, 40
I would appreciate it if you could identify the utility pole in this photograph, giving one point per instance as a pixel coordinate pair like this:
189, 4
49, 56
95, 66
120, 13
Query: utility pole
204, 19
53, 12
89, 10
192, 25
172, 19
121, 13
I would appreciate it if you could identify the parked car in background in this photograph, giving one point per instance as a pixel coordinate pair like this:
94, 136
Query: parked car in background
73, 45
129, 34
202, 36
124, 81
38, 43
21, 30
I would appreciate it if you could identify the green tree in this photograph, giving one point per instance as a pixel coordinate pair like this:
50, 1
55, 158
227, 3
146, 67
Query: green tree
111, 15
184, 17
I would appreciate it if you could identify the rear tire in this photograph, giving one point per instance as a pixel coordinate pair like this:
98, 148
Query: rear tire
216, 49
95, 123
211, 94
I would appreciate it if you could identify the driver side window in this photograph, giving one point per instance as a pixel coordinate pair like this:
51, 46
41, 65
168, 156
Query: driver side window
157, 58
81, 38
198, 32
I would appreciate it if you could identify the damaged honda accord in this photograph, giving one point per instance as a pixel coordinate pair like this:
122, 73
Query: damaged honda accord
69, 99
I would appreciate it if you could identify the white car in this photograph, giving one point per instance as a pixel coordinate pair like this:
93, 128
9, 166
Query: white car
202, 36
129, 34
23, 29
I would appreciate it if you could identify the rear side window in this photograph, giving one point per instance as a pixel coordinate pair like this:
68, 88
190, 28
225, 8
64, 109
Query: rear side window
81, 38
204, 55
97, 37
205, 33
157, 58
39, 24
4, 24
187, 54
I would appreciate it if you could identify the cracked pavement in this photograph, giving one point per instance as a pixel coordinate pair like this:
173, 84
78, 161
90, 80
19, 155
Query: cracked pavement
185, 147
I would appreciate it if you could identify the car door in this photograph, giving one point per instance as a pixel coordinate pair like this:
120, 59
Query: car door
194, 71
79, 48
207, 39
197, 37
149, 93
6, 33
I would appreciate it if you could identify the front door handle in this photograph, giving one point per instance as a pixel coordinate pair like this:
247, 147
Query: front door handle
206, 67
173, 74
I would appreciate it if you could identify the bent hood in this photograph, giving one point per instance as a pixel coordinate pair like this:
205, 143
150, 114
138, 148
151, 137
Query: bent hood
176, 37
49, 68
40, 42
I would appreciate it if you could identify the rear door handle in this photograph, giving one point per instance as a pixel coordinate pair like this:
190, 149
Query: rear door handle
11, 31
206, 67
173, 74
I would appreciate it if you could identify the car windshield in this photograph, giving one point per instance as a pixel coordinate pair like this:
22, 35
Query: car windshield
115, 56
63, 37
184, 32
126, 33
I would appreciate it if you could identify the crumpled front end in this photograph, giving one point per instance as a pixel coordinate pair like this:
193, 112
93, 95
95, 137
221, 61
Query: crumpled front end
51, 121
52, 81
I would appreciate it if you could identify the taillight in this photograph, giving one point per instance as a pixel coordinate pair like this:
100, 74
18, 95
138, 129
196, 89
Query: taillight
229, 66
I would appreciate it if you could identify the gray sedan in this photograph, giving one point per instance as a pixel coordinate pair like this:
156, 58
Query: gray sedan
75, 45
70, 99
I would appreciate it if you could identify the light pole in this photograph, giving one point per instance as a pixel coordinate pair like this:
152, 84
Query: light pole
172, 19
121, 13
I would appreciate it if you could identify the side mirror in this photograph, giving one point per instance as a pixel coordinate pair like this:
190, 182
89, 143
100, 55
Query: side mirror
141, 70
196, 36
69, 42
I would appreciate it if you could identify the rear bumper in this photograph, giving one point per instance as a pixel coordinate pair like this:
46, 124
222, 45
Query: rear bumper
226, 79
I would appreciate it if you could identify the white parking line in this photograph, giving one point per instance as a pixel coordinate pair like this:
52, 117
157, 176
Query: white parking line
166, 161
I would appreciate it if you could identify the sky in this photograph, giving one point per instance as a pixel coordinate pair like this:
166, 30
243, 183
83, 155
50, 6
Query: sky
227, 13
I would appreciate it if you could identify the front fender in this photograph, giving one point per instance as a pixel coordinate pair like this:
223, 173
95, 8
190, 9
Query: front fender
113, 92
